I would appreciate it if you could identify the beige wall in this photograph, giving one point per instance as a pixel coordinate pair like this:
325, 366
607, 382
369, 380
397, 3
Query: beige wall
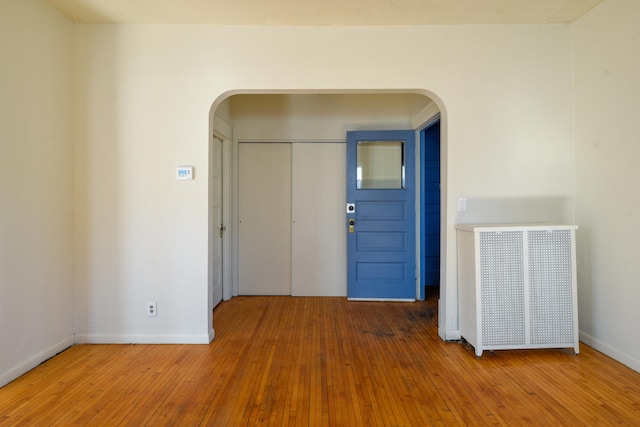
142, 99
607, 135
321, 117
141, 102
36, 280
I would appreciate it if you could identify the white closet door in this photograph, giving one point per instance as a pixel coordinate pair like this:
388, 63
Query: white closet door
215, 210
264, 229
319, 266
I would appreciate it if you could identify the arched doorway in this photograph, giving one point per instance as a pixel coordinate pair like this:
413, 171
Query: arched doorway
315, 118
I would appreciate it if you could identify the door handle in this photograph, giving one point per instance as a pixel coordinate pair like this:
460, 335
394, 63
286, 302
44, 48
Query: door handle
352, 225
222, 228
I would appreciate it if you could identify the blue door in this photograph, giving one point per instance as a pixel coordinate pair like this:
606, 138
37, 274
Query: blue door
380, 212
430, 207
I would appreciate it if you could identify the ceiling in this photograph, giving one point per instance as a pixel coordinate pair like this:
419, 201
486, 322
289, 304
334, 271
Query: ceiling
324, 12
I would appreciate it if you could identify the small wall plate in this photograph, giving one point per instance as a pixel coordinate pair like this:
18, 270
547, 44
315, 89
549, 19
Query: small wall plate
184, 173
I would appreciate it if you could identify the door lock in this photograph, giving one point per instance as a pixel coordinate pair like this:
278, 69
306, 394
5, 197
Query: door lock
352, 225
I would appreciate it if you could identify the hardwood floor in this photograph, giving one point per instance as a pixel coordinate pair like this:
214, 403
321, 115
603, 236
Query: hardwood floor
322, 361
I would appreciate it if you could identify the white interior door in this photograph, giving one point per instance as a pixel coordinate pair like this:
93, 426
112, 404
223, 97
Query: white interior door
215, 212
264, 219
319, 255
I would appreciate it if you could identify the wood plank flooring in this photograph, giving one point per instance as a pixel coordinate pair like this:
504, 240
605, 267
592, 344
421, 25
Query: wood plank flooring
293, 361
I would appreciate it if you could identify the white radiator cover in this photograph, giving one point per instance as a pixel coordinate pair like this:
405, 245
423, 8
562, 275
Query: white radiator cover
517, 286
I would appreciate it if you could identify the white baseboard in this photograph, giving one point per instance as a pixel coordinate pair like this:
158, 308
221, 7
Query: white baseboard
620, 356
26, 366
383, 299
142, 339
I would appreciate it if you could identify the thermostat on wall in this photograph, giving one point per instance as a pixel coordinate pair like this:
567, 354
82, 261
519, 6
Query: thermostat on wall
184, 173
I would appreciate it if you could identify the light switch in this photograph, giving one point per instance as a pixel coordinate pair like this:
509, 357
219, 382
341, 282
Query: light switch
462, 204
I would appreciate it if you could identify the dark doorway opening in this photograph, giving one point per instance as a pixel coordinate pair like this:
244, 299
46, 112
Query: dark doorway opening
430, 208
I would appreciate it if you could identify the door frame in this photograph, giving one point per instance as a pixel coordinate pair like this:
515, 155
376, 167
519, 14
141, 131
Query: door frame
420, 291
215, 235
448, 301
222, 131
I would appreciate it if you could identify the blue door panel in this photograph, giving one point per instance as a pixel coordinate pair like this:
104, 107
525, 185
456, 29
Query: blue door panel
432, 220
381, 248
430, 207
431, 199
431, 172
432, 276
381, 210
381, 240
381, 271
387, 287
432, 245
431, 262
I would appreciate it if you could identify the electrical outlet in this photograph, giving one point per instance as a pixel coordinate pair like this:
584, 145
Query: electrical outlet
152, 309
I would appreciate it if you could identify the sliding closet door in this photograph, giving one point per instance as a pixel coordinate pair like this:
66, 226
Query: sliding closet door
264, 210
319, 266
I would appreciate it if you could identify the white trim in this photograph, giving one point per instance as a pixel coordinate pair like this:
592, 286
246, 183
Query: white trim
227, 257
221, 129
425, 117
417, 187
242, 140
144, 339
31, 363
234, 172
383, 299
617, 354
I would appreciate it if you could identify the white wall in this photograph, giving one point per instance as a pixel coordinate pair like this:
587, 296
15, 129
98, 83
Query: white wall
607, 135
142, 99
139, 235
36, 282
320, 117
